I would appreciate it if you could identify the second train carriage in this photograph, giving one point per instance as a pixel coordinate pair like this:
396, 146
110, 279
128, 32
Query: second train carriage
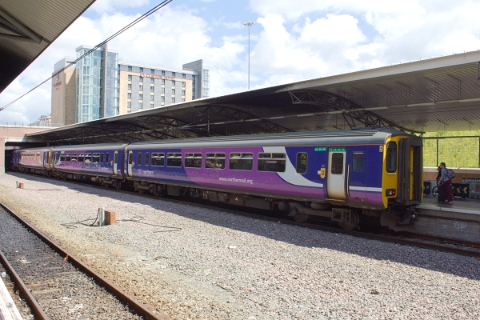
342, 175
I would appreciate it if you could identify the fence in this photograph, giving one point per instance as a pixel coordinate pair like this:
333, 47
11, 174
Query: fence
456, 152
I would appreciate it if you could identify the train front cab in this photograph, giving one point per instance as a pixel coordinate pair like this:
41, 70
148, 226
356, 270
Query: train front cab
403, 176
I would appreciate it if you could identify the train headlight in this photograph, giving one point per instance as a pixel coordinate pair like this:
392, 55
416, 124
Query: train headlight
391, 192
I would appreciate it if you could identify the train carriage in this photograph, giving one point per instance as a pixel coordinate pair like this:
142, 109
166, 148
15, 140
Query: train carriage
100, 163
340, 175
36, 160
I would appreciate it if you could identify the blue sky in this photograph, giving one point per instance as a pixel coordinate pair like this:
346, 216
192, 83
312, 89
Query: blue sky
290, 41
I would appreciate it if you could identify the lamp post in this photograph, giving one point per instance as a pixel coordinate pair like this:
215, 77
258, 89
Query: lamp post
249, 24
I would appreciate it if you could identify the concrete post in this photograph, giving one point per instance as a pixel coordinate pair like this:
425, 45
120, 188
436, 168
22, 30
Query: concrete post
2, 155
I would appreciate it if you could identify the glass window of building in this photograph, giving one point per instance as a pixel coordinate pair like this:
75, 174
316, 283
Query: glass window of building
151, 105
173, 99
152, 71
140, 79
162, 98
129, 104
184, 76
173, 74
163, 72
140, 96
129, 68
163, 81
129, 86
129, 77
152, 97
152, 88
173, 91
152, 80
140, 105
183, 99
183, 92
184, 84
163, 90
140, 87
173, 82
141, 69
129, 95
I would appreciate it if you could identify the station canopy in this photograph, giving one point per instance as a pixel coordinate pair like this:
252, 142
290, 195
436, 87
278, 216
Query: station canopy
440, 94
28, 27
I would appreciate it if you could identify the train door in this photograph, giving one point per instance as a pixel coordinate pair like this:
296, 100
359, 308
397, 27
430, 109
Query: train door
45, 159
56, 158
115, 163
337, 175
410, 171
130, 163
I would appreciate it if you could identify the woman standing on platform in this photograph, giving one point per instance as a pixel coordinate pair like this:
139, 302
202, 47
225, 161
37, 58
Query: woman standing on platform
446, 182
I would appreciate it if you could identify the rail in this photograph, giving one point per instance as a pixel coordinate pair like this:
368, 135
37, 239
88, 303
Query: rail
123, 297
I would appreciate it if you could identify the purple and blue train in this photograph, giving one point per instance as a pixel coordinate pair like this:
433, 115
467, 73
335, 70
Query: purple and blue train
346, 176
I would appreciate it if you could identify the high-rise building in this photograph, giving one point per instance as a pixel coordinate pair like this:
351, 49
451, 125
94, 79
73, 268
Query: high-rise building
98, 86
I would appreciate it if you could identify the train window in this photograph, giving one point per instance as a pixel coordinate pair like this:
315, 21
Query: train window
80, 157
139, 159
337, 163
158, 159
101, 157
241, 161
174, 159
147, 157
301, 162
357, 161
391, 157
67, 157
88, 158
274, 162
62, 157
96, 157
107, 158
193, 160
215, 160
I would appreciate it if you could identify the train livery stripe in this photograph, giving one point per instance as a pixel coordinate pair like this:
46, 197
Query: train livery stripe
367, 189
290, 175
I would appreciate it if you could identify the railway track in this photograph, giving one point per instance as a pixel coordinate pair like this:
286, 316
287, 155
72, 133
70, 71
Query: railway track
57, 285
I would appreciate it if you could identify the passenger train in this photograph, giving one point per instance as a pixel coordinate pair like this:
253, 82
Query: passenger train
346, 176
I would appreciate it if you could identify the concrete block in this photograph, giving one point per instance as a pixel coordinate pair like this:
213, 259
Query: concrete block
110, 217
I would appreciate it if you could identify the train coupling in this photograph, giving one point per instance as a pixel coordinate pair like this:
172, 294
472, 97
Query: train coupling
409, 217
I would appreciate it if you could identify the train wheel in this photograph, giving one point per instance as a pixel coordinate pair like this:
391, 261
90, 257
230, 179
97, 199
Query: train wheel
297, 216
351, 221
157, 192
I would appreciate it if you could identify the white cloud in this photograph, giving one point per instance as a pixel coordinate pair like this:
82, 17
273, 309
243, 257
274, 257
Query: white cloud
289, 42
105, 6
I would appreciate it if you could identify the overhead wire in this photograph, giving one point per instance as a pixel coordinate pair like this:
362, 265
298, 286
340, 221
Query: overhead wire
131, 24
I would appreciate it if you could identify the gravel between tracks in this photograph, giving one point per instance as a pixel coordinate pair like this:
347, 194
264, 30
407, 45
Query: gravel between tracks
222, 266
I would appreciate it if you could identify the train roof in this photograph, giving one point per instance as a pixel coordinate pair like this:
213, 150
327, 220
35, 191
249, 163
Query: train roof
363, 136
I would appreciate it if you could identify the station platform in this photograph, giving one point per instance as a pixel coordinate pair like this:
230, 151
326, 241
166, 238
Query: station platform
8, 309
458, 221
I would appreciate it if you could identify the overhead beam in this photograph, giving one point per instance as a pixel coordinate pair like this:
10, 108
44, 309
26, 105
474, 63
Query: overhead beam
20, 31
351, 112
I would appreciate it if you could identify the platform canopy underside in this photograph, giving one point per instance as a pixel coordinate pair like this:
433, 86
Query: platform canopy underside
441, 94
28, 27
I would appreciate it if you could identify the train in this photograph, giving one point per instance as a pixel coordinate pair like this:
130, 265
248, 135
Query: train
350, 177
